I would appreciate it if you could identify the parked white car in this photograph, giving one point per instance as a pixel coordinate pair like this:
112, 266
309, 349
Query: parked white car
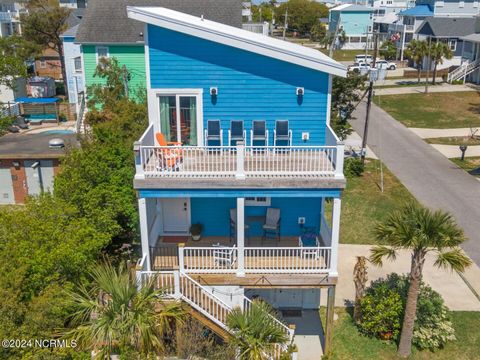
362, 68
363, 59
384, 64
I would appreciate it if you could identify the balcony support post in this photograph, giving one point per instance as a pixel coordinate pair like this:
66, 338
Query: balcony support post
241, 237
339, 159
337, 204
142, 210
240, 173
138, 159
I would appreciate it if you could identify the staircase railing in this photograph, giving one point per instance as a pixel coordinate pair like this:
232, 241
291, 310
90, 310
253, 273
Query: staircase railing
463, 70
181, 286
81, 114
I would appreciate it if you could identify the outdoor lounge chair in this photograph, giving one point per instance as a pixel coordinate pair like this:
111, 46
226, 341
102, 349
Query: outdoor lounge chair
259, 133
282, 133
233, 226
236, 132
168, 159
20, 122
271, 228
214, 133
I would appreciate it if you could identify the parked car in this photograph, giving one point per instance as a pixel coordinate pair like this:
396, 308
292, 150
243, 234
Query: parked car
359, 67
384, 64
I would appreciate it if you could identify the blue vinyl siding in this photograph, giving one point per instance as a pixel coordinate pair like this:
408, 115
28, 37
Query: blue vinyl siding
250, 86
214, 214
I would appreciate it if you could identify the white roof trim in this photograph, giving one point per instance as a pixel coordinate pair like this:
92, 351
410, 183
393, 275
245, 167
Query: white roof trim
238, 38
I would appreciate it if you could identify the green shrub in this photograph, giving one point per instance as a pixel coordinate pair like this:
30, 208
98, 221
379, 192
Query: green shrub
381, 313
353, 167
433, 327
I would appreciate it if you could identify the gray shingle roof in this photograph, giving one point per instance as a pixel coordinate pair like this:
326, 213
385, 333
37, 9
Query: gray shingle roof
447, 26
106, 21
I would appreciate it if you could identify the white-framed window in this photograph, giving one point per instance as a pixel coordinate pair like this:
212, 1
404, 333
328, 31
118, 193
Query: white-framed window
77, 64
475, 4
102, 52
258, 201
43, 64
461, 4
452, 44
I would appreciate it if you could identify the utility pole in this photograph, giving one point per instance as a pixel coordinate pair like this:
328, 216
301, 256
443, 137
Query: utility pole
285, 25
369, 99
429, 62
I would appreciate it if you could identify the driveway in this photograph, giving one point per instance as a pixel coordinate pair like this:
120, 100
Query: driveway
428, 175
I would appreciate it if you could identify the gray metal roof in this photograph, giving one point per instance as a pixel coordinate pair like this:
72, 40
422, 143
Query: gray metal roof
472, 37
106, 21
33, 146
447, 26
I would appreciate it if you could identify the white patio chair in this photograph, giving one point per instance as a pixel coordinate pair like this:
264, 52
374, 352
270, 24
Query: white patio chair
224, 256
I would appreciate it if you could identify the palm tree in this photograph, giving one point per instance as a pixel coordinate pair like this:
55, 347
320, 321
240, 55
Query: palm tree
439, 51
256, 333
419, 230
416, 51
115, 316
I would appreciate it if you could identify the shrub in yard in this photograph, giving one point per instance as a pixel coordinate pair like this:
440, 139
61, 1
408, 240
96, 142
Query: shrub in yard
433, 328
353, 167
381, 313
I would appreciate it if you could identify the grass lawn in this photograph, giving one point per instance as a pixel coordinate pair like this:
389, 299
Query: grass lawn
454, 140
346, 55
469, 164
434, 110
348, 343
363, 203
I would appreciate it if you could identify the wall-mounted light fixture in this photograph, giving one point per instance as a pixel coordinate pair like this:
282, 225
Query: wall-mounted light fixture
16, 164
300, 91
213, 91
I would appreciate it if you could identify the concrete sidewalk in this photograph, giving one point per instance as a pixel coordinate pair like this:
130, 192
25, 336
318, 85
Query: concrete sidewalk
421, 89
454, 290
425, 133
453, 151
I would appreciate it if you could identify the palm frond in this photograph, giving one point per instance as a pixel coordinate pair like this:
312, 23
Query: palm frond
454, 259
378, 253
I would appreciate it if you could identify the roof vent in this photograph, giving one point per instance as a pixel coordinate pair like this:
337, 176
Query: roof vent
56, 143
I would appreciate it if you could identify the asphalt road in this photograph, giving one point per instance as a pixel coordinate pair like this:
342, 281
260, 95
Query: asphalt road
435, 181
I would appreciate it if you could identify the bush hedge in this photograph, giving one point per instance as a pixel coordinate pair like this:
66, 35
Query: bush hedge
383, 310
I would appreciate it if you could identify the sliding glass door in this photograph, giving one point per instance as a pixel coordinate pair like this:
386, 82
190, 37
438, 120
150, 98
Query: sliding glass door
178, 118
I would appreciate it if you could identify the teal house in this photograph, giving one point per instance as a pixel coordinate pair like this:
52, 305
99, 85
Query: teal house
356, 21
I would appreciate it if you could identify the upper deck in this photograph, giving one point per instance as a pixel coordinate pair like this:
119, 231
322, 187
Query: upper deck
238, 166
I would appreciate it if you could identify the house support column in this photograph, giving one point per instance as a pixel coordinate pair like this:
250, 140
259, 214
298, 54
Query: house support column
241, 236
142, 210
327, 346
337, 204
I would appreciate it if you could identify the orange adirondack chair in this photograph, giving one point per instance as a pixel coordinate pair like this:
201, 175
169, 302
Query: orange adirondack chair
170, 158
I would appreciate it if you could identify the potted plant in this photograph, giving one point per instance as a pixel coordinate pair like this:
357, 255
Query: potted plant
196, 231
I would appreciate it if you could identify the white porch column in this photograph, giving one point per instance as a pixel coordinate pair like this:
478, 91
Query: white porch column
337, 203
241, 236
142, 210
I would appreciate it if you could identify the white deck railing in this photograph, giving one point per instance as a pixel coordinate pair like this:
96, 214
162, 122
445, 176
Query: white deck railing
257, 260
237, 161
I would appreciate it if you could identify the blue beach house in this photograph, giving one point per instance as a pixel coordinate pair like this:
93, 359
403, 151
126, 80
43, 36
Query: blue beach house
356, 21
239, 174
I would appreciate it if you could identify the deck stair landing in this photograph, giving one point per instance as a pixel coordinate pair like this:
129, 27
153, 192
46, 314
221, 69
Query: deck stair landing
212, 310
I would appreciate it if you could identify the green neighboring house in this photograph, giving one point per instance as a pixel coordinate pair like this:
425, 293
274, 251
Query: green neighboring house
106, 31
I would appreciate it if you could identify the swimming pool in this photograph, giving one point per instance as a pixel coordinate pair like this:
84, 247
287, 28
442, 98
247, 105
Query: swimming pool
58, 132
